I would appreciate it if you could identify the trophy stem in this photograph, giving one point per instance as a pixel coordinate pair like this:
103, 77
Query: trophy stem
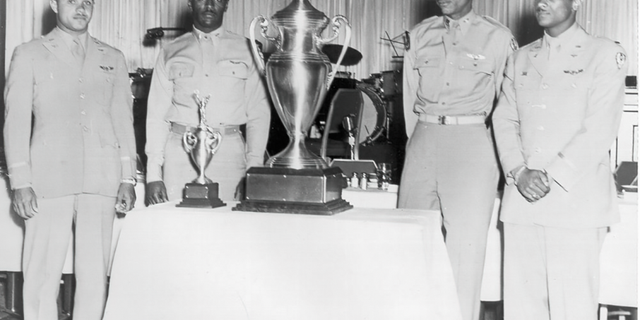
297, 156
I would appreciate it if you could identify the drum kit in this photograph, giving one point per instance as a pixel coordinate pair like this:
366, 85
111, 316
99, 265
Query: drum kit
378, 91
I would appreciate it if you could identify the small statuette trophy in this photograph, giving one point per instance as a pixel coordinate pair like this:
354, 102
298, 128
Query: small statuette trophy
201, 145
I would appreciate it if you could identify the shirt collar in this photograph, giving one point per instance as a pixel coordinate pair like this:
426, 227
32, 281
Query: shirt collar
68, 38
549, 41
465, 22
211, 35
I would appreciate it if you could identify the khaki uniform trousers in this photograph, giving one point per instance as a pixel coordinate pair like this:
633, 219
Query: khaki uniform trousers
551, 273
454, 169
227, 167
90, 217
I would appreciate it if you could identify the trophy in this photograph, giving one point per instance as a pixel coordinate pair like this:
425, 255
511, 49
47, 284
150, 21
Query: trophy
298, 76
201, 145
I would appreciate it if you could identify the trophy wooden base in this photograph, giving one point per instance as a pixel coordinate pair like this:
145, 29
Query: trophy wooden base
301, 191
197, 195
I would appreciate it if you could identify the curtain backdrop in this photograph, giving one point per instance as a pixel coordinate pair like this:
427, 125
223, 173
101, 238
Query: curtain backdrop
123, 24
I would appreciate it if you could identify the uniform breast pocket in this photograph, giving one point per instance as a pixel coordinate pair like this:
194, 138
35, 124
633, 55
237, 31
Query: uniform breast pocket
181, 70
105, 87
576, 80
232, 76
48, 83
182, 76
480, 67
430, 71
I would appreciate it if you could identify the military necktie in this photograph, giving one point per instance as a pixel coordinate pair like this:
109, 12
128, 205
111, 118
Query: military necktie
454, 31
554, 47
78, 50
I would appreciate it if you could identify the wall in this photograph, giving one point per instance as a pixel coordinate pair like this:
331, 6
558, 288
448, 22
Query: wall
123, 23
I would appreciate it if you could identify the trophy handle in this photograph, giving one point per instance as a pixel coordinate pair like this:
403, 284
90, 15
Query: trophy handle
336, 31
214, 143
189, 141
257, 54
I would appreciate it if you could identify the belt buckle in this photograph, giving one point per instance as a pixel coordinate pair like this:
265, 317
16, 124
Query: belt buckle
443, 120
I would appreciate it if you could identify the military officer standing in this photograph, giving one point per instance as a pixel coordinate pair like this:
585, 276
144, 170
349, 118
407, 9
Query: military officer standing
71, 154
452, 74
209, 61
556, 119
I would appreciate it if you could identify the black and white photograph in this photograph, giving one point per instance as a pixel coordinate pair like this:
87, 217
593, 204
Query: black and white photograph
319, 159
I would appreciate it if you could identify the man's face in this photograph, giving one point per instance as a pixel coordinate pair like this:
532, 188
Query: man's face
73, 16
454, 9
207, 14
556, 14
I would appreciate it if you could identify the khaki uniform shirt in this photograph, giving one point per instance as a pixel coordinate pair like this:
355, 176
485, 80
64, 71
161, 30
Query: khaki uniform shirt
454, 71
219, 65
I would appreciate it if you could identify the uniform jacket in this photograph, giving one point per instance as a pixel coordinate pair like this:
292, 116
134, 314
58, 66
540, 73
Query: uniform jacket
562, 115
446, 76
82, 139
238, 95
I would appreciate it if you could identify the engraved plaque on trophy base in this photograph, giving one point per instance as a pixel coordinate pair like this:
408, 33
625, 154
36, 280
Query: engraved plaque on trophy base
286, 190
197, 195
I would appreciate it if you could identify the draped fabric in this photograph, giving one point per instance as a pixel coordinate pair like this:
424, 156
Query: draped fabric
123, 24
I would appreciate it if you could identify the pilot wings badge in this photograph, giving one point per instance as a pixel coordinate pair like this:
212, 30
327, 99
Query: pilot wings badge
476, 56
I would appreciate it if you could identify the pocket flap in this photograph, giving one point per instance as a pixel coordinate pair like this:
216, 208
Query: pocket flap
181, 70
231, 68
426, 62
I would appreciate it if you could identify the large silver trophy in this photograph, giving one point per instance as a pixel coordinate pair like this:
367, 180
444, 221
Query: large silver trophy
298, 76
201, 145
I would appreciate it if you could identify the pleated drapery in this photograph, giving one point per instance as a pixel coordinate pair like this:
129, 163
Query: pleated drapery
123, 24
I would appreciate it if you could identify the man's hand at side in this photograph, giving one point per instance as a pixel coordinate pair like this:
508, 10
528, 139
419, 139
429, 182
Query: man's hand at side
156, 193
24, 202
126, 198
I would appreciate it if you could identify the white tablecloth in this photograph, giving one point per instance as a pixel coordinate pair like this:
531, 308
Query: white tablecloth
182, 263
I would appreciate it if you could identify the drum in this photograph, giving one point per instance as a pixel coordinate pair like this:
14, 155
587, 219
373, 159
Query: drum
374, 115
375, 80
391, 83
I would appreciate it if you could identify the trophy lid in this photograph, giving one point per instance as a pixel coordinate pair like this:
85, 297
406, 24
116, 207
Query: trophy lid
299, 8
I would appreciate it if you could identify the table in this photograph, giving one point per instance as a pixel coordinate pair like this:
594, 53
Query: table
12, 226
183, 263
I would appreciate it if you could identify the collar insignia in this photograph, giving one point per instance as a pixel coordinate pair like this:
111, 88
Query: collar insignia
621, 58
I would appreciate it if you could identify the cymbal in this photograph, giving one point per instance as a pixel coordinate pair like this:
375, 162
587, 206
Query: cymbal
351, 57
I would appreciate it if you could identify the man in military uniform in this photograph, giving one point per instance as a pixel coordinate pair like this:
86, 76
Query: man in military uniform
452, 74
209, 61
71, 154
556, 119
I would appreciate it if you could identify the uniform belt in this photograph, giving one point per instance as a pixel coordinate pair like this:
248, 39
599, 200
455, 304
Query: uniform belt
224, 130
452, 120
